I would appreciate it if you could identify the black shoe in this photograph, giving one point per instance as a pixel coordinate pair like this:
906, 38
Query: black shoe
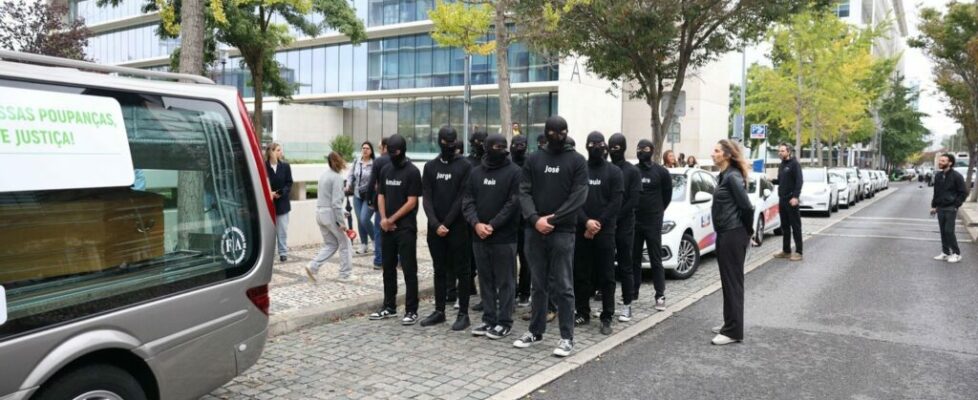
597, 296
478, 307
481, 329
283, 258
409, 318
605, 327
383, 313
498, 332
378, 267
436, 317
461, 322
582, 319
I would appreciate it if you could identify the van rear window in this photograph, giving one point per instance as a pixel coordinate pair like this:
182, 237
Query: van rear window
186, 220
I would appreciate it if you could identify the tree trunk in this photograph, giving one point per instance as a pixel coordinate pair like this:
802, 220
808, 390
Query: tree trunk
190, 184
502, 69
258, 81
830, 164
658, 135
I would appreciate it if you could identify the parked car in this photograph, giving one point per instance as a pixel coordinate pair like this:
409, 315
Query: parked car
687, 227
852, 186
818, 193
764, 196
838, 179
866, 183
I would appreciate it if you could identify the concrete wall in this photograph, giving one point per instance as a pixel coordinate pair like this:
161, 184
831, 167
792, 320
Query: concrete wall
586, 104
305, 130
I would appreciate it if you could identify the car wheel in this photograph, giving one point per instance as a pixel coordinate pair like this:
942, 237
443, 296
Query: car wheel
759, 230
688, 257
835, 208
99, 381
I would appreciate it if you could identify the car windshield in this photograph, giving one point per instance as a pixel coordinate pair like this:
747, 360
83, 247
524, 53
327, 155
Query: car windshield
752, 186
813, 175
679, 183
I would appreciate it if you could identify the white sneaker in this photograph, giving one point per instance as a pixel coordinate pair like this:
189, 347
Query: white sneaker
626, 314
954, 258
717, 329
363, 249
721, 340
660, 304
941, 257
564, 348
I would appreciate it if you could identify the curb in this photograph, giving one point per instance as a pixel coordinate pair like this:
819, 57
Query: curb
969, 213
527, 386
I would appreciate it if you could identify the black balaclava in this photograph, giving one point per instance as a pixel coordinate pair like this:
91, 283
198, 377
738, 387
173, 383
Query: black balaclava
495, 158
616, 147
596, 148
645, 157
518, 149
541, 142
397, 149
477, 143
446, 141
556, 131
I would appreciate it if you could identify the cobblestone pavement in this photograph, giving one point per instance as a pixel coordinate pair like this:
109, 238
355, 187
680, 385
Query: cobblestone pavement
359, 359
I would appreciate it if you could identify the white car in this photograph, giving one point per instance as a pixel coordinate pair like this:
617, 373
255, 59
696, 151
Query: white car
866, 183
838, 178
687, 227
817, 192
764, 196
852, 185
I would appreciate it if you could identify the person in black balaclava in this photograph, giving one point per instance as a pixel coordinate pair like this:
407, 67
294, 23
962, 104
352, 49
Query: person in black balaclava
398, 189
655, 195
625, 232
595, 243
448, 236
554, 187
541, 142
491, 206
477, 149
517, 152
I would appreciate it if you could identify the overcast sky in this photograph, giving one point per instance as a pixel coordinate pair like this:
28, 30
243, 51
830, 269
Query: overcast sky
917, 69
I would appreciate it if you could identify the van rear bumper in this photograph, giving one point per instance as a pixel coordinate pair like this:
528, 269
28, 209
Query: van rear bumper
247, 356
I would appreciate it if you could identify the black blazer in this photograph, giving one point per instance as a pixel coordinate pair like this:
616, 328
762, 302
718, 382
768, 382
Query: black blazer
281, 182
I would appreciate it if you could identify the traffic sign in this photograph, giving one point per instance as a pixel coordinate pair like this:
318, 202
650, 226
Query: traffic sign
758, 131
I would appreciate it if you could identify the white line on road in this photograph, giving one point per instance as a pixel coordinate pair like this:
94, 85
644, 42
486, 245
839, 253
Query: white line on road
893, 219
917, 239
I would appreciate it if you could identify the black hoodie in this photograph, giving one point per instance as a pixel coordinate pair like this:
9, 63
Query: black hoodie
632, 183
605, 189
656, 184
442, 181
554, 180
398, 181
492, 196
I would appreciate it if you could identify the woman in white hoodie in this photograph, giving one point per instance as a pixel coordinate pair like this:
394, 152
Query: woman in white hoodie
330, 216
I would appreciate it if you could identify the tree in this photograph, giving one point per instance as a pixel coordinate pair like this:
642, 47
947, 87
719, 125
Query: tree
248, 26
657, 44
41, 27
903, 133
950, 40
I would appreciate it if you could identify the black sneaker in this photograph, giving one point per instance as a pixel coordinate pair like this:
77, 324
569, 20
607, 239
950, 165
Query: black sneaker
523, 302
605, 327
481, 329
478, 307
461, 322
378, 267
410, 318
498, 332
527, 340
383, 313
436, 317
581, 319
283, 258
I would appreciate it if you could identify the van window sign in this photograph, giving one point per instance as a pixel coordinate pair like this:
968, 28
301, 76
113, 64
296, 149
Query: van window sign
62, 141
3, 306
233, 245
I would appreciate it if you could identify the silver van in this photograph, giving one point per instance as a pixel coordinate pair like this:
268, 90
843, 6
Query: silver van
137, 233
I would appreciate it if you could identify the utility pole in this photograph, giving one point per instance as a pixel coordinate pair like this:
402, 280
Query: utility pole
466, 103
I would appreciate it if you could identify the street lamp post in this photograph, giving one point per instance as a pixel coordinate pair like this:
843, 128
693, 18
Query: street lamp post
466, 102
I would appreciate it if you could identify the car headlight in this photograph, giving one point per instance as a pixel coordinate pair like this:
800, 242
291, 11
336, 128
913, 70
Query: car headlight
668, 226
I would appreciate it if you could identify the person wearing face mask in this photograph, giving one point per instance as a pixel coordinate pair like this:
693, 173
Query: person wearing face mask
654, 197
491, 206
477, 151
398, 188
379, 164
553, 188
595, 243
541, 143
477, 148
625, 227
517, 152
448, 237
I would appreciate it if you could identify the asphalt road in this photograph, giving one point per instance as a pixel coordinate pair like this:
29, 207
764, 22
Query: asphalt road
867, 315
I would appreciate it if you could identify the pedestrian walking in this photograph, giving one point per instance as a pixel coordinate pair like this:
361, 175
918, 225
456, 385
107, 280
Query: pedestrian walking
443, 182
378, 165
732, 214
654, 198
329, 217
790, 181
552, 191
399, 186
358, 183
625, 227
517, 153
949, 194
280, 180
491, 207
594, 251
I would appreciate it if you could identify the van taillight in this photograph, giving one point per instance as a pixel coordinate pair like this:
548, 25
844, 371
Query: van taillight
259, 297
256, 152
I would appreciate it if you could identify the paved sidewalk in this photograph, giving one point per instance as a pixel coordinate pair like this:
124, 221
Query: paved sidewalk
969, 215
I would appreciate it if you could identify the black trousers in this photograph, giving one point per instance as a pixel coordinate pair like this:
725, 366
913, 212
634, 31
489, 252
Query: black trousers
731, 252
450, 255
594, 269
624, 239
453, 279
496, 263
648, 233
790, 226
523, 286
552, 259
401, 245
946, 218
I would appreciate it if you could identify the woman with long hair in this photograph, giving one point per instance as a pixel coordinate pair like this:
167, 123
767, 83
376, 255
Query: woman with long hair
669, 159
358, 183
733, 222
280, 180
691, 162
330, 217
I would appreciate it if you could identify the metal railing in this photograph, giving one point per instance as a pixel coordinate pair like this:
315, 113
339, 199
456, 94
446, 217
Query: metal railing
89, 66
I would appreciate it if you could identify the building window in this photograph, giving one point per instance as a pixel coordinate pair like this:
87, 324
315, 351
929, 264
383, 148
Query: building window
842, 9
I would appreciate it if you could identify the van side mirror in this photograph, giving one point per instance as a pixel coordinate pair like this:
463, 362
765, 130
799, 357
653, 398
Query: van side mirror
702, 197
766, 193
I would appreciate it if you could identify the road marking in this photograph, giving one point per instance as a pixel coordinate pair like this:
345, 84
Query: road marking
918, 239
894, 219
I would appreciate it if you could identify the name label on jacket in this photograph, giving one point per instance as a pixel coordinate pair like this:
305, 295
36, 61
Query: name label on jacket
393, 182
488, 182
551, 170
443, 176
646, 180
594, 182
